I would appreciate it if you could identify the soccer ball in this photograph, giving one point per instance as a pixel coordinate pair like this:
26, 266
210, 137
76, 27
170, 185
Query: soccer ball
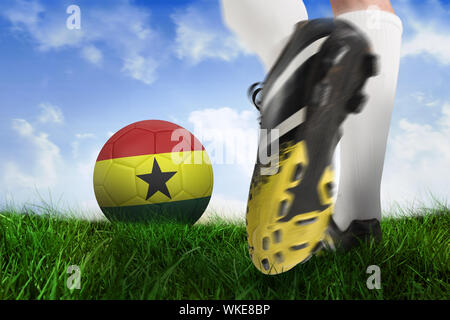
153, 171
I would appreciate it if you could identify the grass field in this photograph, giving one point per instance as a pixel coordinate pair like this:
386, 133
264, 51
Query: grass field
210, 261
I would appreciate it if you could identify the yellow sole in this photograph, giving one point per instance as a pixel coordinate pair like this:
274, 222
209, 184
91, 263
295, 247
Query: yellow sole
276, 247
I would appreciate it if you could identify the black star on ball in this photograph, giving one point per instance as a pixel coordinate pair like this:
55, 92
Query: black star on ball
157, 180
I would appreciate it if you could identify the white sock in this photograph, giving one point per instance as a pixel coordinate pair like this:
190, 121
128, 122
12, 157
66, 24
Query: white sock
264, 26
363, 145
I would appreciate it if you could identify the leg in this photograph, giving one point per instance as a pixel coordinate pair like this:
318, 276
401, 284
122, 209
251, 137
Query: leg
343, 6
363, 145
263, 26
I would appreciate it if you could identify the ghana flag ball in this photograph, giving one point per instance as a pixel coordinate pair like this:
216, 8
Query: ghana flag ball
153, 171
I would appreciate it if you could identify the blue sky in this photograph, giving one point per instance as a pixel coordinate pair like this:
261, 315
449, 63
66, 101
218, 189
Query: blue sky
63, 92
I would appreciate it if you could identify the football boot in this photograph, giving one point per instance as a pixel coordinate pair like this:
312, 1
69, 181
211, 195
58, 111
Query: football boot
359, 231
315, 83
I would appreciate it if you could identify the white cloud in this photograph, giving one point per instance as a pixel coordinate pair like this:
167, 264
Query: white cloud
50, 114
27, 17
444, 121
22, 127
24, 14
430, 31
432, 103
198, 36
229, 136
41, 171
45, 175
121, 28
92, 54
76, 144
418, 96
430, 41
425, 99
84, 135
75, 147
418, 161
140, 68
125, 29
